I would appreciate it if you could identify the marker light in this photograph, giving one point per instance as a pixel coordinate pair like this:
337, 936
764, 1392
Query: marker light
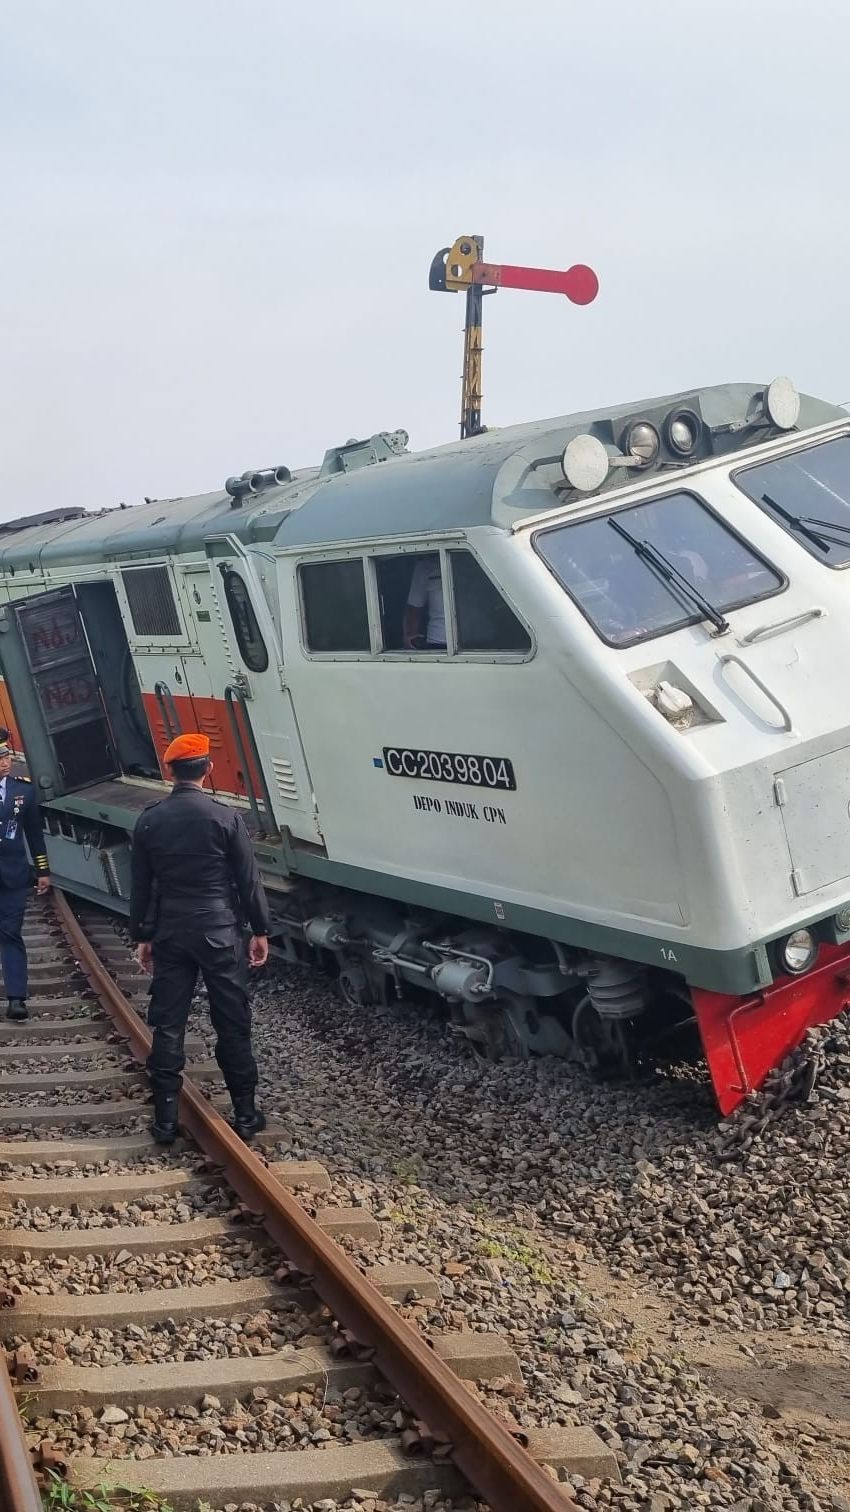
641, 442
842, 921
797, 952
782, 404
585, 463
682, 431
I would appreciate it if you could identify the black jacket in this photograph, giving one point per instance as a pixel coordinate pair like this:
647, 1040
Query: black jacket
19, 820
193, 862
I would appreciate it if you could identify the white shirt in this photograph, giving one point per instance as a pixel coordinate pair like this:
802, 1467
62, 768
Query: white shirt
2, 790
426, 587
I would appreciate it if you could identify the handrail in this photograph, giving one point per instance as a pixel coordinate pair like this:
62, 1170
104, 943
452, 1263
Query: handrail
764, 632
232, 692
771, 697
170, 717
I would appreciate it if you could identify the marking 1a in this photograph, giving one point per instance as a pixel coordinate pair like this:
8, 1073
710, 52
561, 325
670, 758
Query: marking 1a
667, 954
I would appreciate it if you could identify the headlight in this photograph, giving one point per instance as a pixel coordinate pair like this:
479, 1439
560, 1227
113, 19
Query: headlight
797, 952
682, 431
641, 442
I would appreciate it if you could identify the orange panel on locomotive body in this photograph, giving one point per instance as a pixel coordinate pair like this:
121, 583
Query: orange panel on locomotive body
536, 721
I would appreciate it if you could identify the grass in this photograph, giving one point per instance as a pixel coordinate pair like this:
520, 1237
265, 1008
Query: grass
517, 1251
408, 1170
58, 1496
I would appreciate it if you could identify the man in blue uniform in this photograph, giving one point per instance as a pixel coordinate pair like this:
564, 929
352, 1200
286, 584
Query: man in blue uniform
19, 821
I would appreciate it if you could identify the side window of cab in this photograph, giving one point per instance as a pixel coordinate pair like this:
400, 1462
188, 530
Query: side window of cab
414, 593
412, 602
334, 605
484, 620
430, 603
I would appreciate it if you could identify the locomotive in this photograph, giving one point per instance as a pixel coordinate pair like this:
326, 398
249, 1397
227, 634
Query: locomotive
546, 722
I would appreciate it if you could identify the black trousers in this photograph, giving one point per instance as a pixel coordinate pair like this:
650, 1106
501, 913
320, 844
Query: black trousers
218, 953
13, 951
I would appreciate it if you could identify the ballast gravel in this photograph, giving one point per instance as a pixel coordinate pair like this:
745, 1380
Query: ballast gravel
82, 1129
63, 1167
123, 1272
103, 1057
267, 1422
521, 1183
129, 1089
261, 1333
211, 1202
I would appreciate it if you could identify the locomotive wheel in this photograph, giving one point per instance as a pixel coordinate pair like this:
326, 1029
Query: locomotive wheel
361, 987
490, 1030
604, 1045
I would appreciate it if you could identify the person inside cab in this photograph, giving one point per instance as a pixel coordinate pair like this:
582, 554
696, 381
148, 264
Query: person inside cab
425, 613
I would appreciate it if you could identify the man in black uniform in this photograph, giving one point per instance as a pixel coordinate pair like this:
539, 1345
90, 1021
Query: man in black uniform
19, 820
194, 877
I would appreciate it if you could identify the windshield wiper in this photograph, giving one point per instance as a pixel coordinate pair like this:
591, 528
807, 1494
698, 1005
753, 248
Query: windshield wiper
820, 536
671, 575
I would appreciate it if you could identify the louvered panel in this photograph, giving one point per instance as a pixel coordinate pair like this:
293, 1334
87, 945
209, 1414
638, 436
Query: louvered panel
210, 727
284, 777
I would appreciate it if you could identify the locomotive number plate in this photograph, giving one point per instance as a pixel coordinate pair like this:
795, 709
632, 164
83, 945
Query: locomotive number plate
446, 766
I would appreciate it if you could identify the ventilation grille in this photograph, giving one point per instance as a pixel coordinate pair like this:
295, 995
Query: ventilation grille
285, 779
208, 725
151, 601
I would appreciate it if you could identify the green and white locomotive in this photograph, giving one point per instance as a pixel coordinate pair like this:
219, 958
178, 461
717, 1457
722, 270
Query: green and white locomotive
549, 722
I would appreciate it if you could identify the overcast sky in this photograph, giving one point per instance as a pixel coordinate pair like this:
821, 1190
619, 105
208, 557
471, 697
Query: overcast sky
218, 218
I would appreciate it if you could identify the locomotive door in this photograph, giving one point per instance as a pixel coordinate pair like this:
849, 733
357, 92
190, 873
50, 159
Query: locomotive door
207, 673
55, 692
258, 697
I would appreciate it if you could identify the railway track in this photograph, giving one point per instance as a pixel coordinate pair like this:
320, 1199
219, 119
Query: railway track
326, 1390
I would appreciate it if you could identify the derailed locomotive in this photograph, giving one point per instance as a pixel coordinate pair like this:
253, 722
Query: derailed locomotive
550, 722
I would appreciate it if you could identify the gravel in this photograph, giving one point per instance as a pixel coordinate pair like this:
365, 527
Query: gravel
132, 1124
131, 1088
232, 1260
267, 1422
209, 1202
568, 1206
63, 1168
260, 1333
102, 1057
365, 1501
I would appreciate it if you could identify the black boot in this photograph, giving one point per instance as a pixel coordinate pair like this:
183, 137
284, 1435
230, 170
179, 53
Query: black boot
248, 1120
164, 1127
17, 1010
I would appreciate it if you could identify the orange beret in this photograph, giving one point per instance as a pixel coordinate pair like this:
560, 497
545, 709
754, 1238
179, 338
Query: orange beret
187, 748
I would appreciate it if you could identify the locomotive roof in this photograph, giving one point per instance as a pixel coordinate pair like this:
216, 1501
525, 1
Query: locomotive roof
453, 486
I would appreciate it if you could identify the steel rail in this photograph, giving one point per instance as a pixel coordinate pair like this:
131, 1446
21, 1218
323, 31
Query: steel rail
500, 1470
18, 1486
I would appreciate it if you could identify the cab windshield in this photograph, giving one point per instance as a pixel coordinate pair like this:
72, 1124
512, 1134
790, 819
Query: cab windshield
808, 494
642, 571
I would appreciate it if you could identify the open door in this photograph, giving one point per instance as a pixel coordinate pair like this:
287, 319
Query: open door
260, 708
55, 691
